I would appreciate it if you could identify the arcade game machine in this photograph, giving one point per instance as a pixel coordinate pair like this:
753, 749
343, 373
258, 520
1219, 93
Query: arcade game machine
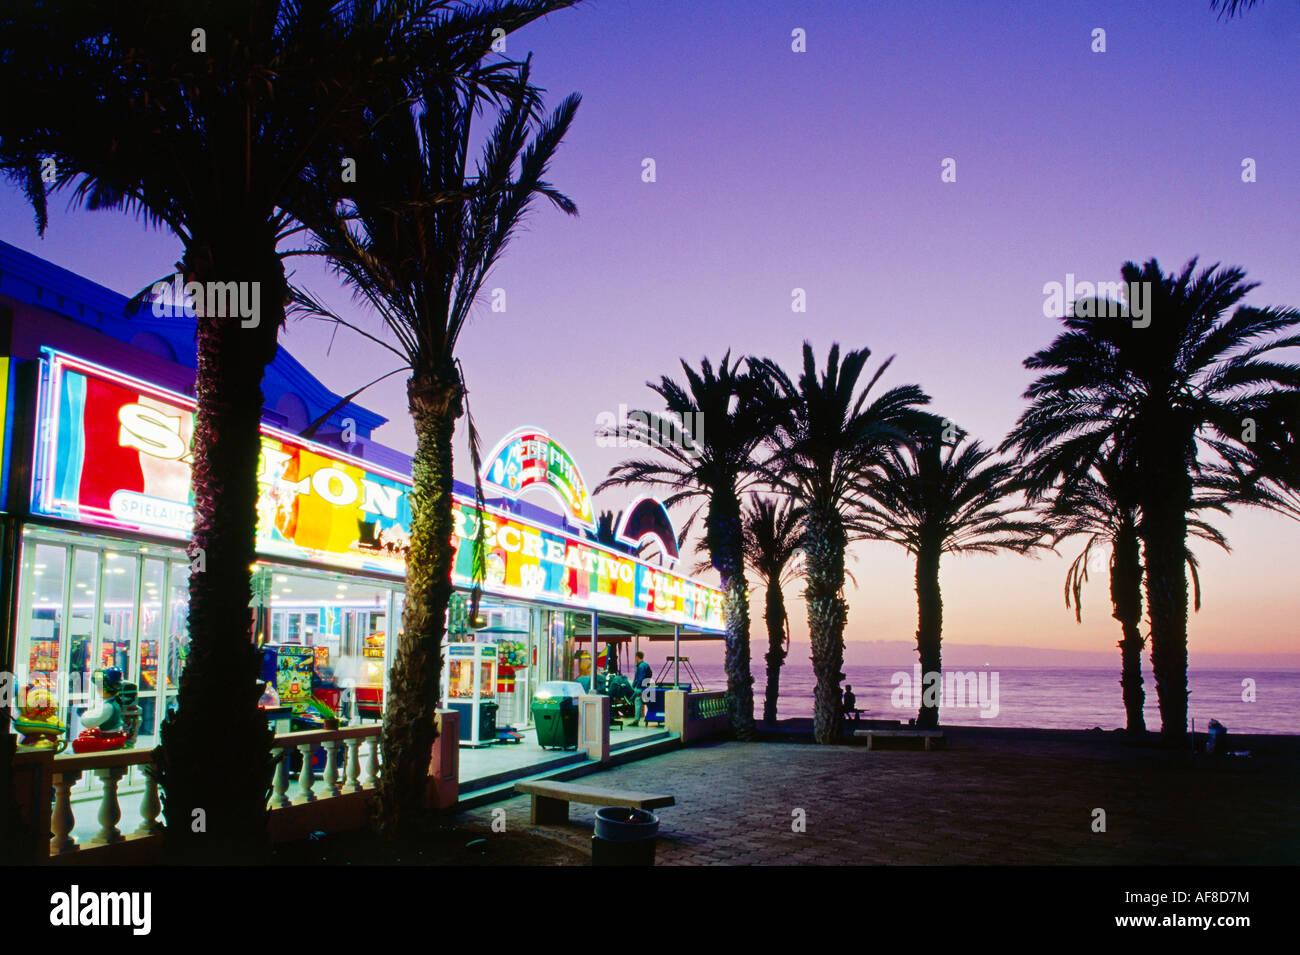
470, 688
369, 691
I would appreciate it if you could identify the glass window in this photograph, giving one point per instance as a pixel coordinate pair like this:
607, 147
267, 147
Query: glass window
82, 659
152, 581
117, 621
178, 631
46, 567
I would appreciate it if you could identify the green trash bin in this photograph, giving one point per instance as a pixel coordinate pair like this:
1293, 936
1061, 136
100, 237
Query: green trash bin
555, 714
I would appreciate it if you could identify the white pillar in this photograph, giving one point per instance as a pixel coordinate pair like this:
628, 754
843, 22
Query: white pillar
677, 656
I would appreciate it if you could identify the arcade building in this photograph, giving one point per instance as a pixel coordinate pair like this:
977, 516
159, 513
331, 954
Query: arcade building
97, 409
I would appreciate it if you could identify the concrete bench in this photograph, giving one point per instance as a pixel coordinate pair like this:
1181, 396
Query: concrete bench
931, 737
551, 799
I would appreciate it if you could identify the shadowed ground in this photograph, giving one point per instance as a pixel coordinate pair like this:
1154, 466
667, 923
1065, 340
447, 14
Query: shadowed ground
994, 797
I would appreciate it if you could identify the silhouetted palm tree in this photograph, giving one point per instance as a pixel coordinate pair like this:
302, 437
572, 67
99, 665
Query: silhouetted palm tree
1227, 9
1265, 471
935, 498
223, 120
827, 439
1103, 506
416, 242
710, 473
213, 143
773, 536
1182, 381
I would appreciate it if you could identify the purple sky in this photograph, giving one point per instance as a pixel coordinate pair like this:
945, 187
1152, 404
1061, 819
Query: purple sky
821, 170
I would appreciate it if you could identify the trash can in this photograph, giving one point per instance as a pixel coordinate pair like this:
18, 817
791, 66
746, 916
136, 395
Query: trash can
624, 836
555, 714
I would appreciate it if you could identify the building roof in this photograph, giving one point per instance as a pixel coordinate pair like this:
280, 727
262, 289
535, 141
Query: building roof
161, 347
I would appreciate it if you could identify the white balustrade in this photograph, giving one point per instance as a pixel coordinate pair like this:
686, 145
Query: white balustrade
353, 774
110, 813
306, 778
280, 797
342, 774
331, 777
149, 808
62, 820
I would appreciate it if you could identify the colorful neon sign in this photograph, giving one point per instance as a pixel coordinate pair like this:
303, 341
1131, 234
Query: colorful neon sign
529, 457
113, 451
646, 519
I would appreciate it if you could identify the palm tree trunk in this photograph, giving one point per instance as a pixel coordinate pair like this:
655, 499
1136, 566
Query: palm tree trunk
414, 684
775, 617
214, 762
825, 542
929, 630
1168, 492
1126, 599
723, 532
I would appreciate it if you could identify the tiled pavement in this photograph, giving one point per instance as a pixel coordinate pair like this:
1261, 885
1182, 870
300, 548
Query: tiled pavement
982, 801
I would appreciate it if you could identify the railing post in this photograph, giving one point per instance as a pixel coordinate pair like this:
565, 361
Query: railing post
305, 779
110, 813
149, 807
280, 794
63, 821
372, 762
352, 773
332, 767
676, 717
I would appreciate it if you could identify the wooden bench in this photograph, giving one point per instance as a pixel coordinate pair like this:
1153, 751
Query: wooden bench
551, 799
931, 737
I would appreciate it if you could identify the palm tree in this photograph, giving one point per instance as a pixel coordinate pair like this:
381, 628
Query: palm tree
710, 472
1182, 382
826, 439
773, 535
416, 243
935, 498
1227, 9
1265, 471
211, 143
225, 138
1103, 506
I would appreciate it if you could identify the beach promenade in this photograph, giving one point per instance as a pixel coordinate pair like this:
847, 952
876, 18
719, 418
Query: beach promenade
1001, 799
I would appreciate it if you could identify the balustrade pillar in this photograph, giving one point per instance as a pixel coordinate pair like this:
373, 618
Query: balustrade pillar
331, 776
372, 763
353, 770
62, 820
149, 808
305, 778
110, 813
280, 795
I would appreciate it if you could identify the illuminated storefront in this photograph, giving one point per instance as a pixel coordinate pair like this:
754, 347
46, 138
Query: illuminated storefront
104, 573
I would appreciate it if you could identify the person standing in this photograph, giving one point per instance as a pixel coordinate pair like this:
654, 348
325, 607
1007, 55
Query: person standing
640, 680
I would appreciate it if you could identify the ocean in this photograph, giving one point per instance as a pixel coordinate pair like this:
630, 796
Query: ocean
1053, 697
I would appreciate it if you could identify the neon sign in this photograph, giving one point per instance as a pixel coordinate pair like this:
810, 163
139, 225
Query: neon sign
113, 451
647, 519
529, 457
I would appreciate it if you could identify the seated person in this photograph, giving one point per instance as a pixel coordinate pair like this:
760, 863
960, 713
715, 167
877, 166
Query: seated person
850, 703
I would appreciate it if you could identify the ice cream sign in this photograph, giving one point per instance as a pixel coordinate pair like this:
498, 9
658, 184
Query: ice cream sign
115, 451
530, 458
